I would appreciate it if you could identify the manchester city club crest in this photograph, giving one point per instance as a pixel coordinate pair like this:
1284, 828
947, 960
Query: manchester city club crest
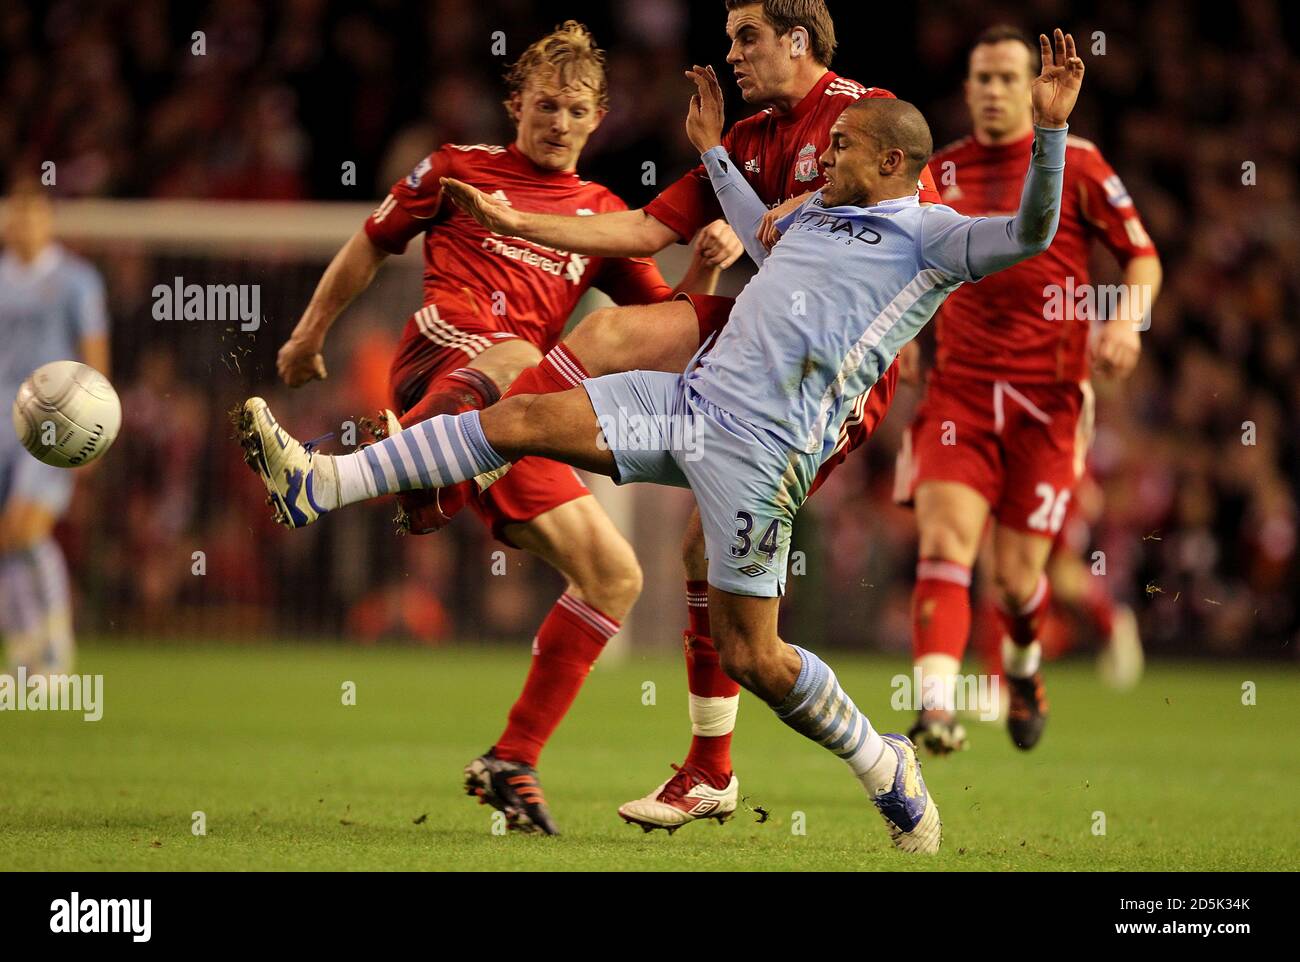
805, 168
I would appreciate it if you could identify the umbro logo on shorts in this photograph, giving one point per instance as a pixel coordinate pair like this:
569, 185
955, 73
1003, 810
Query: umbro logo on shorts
753, 570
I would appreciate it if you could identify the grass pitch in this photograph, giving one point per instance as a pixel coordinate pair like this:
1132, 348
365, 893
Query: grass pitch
288, 777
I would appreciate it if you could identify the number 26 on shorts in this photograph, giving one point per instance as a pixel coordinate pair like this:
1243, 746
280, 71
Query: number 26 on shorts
1050, 515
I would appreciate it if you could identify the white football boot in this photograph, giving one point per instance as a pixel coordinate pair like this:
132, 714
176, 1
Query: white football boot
292, 473
683, 798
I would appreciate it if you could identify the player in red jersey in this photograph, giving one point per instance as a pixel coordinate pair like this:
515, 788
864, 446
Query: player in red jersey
1004, 426
781, 51
492, 305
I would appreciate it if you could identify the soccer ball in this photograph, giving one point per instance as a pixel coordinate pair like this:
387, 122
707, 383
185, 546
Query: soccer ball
67, 414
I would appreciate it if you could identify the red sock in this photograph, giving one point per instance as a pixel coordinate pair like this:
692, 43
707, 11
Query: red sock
464, 389
697, 608
567, 645
559, 370
1057, 633
940, 608
1024, 626
710, 754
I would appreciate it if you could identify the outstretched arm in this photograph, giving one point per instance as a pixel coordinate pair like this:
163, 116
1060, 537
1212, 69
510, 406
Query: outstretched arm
349, 273
623, 233
996, 243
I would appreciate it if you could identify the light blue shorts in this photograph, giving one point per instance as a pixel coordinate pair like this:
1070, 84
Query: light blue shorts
23, 478
747, 485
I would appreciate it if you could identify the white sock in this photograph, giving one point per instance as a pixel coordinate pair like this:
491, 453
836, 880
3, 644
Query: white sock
876, 772
353, 481
938, 681
1020, 662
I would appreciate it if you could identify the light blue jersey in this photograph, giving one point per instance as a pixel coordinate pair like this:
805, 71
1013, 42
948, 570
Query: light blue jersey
46, 308
845, 289
747, 426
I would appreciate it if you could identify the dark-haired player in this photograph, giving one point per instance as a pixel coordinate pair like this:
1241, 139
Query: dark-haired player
780, 55
1003, 429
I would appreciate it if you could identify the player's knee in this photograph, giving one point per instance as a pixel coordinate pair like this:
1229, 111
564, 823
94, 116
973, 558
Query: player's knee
735, 657
503, 362
621, 586
1015, 579
944, 539
751, 667
602, 340
613, 581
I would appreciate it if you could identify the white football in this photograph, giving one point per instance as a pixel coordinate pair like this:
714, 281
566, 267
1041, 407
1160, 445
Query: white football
67, 414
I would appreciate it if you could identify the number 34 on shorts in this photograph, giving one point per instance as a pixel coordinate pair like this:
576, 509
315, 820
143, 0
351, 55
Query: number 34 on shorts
765, 544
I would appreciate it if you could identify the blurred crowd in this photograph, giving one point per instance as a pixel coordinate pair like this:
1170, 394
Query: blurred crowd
1196, 459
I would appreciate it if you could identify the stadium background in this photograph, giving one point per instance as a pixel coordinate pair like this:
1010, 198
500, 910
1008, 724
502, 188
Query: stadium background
1199, 531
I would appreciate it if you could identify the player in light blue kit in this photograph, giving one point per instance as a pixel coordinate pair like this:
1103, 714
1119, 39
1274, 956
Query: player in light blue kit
858, 270
51, 309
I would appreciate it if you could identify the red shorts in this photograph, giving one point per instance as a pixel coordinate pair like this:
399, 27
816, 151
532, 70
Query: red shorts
712, 311
868, 411
433, 346
1022, 449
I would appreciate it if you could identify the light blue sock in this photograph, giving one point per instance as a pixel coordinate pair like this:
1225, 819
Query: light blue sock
36, 609
442, 451
819, 708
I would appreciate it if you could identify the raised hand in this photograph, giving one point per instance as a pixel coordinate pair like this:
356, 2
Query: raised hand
1056, 88
488, 211
705, 116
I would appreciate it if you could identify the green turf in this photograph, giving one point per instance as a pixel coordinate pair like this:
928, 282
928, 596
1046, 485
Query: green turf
290, 778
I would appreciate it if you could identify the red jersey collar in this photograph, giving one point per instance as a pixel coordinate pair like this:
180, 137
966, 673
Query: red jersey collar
809, 103
1011, 146
524, 161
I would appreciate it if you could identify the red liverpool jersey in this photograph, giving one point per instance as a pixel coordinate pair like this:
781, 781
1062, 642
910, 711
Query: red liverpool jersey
999, 328
778, 155
515, 285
